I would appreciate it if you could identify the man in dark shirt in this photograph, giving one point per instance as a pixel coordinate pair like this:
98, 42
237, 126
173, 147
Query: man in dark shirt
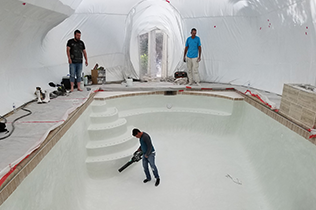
148, 150
75, 49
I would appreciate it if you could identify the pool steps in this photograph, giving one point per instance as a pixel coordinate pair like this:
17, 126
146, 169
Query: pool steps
110, 115
110, 143
106, 130
109, 157
98, 106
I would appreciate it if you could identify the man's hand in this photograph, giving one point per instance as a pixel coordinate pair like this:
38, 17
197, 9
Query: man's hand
199, 59
86, 63
146, 156
69, 61
184, 60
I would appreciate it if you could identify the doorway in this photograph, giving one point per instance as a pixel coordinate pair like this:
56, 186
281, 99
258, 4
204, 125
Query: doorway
153, 55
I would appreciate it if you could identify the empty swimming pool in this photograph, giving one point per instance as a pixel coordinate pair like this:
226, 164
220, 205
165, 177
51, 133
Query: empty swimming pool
212, 153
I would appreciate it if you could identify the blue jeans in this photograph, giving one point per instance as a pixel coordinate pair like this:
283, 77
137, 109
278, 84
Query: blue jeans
151, 161
75, 69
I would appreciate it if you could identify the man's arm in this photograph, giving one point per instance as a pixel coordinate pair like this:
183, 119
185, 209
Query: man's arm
185, 53
85, 56
68, 55
200, 52
149, 146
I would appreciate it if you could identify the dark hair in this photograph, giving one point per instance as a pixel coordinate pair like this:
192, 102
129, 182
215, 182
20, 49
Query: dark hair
193, 29
135, 131
77, 32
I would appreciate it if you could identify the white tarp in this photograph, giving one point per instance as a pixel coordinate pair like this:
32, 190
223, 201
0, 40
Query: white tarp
261, 43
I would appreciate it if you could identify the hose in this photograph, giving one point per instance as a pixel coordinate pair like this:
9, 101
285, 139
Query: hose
13, 127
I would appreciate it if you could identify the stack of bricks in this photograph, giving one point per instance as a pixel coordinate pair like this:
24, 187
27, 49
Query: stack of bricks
298, 103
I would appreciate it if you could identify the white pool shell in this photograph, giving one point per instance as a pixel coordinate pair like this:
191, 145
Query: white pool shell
212, 153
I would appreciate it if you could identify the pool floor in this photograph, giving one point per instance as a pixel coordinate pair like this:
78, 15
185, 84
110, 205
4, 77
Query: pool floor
242, 160
197, 171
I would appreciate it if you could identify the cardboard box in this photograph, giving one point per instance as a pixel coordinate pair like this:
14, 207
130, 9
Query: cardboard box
98, 76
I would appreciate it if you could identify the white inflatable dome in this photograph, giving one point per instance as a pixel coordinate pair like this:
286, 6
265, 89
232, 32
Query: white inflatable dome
261, 43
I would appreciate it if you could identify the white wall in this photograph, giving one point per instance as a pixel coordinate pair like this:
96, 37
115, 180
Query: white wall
23, 28
241, 49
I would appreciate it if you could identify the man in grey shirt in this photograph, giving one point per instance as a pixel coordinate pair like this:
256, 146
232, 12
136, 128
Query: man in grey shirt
148, 150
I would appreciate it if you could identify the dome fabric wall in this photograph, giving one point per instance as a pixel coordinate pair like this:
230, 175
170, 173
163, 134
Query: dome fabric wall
261, 43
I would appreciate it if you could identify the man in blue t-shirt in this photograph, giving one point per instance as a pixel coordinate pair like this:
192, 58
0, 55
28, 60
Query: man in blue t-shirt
148, 150
192, 54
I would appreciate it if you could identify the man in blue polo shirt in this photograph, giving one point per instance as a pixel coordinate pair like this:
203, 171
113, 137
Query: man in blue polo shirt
192, 54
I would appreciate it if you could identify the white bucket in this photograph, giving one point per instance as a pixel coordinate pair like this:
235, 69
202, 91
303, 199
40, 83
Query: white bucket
85, 81
129, 82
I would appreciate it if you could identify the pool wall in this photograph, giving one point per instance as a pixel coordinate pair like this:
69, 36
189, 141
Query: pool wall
58, 181
283, 161
180, 112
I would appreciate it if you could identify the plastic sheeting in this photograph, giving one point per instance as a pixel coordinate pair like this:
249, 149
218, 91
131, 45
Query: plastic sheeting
261, 43
32, 130
148, 16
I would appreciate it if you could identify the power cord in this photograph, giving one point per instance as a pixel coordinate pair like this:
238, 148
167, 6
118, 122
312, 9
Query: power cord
13, 127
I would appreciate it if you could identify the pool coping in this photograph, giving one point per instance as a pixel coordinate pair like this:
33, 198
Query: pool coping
28, 164
180, 92
274, 114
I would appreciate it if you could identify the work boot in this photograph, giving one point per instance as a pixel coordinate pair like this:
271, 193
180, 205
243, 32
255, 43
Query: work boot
146, 180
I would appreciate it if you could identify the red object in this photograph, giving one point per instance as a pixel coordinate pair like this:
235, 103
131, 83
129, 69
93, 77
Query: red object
305, 33
214, 26
181, 90
11, 171
188, 87
257, 96
24, 3
268, 19
99, 90
260, 28
206, 88
306, 27
167, 1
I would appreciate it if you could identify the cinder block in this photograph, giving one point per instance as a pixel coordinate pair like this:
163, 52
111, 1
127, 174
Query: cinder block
305, 99
308, 118
295, 111
293, 95
299, 104
285, 106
